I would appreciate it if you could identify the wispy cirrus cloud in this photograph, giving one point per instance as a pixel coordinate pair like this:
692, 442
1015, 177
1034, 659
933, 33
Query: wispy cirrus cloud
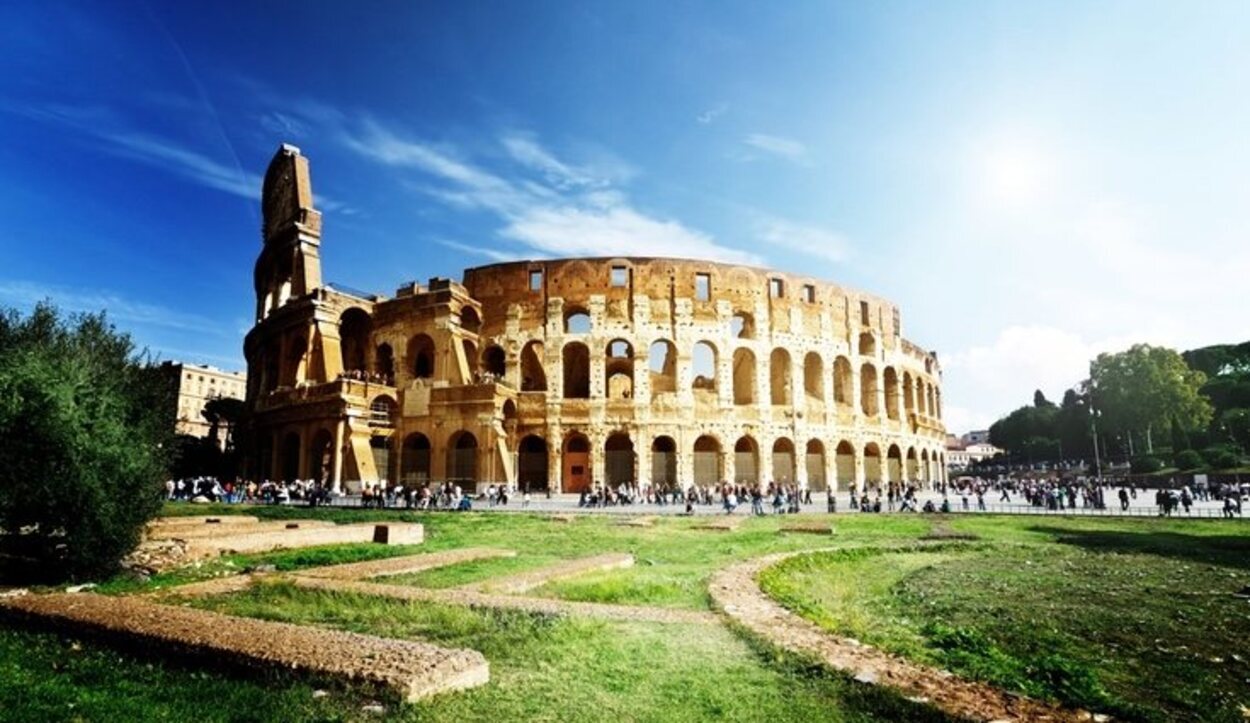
808, 240
28, 293
477, 250
711, 114
778, 146
546, 204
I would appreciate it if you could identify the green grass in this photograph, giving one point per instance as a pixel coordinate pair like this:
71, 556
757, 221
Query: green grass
929, 603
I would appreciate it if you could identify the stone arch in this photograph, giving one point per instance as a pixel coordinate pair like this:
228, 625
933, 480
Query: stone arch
894, 464
844, 464
383, 411
321, 456
783, 461
909, 393
576, 367
532, 463
843, 383
868, 393
421, 356
575, 477
462, 457
576, 320
744, 376
470, 358
355, 327
891, 393
618, 459
746, 460
872, 464
380, 447
926, 474
384, 362
703, 364
742, 326
707, 461
508, 412
533, 374
920, 397
662, 365
290, 456
296, 367
618, 369
814, 378
867, 344
495, 361
814, 459
912, 468
663, 461
470, 321
779, 376
414, 460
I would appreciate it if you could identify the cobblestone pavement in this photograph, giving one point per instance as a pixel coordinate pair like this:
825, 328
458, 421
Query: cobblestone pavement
737, 594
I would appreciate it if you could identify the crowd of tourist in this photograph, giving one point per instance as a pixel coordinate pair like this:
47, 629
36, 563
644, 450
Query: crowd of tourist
780, 497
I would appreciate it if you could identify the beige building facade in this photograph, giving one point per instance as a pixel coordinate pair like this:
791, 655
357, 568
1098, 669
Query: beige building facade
563, 374
197, 384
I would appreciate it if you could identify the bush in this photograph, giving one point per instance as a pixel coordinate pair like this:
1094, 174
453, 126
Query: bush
1221, 457
1189, 459
86, 426
1145, 465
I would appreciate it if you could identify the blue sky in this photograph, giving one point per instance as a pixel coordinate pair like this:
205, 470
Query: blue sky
1031, 182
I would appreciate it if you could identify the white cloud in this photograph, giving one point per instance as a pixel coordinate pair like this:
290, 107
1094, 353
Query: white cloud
786, 148
807, 240
119, 308
526, 151
711, 114
476, 250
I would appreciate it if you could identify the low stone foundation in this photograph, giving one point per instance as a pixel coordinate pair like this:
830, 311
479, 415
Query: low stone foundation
404, 669
404, 565
530, 579
243, 541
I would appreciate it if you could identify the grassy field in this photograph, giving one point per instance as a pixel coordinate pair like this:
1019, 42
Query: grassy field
1081, 601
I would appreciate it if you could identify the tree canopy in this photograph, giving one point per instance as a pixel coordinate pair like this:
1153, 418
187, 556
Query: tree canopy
1142, 389
86, 424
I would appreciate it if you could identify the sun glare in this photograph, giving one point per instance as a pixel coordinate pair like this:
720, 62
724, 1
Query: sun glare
1017, 174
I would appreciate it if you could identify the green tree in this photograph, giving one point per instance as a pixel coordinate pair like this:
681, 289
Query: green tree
86, 424
1139, 390
1237, 423
1180, 440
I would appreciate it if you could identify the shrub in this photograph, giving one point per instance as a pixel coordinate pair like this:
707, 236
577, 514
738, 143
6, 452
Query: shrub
1145, 464
1188, 459
1221, 457
85, 425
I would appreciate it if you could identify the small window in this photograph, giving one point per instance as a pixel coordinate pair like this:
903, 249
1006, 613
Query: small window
864, 319
809, 293
536, 280
620, 276
703, 287
776, 288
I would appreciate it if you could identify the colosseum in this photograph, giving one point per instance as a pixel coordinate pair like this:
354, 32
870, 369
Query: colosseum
562, 374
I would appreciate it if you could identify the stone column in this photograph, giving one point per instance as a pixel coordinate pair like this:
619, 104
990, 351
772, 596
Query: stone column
858, 483
336, 475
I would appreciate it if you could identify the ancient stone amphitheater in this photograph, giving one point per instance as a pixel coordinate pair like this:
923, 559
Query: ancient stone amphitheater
562, 374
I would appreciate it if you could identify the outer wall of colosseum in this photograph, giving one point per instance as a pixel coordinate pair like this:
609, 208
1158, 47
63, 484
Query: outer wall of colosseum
560, 374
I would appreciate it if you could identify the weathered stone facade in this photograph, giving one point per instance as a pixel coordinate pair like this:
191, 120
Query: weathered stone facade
559, 374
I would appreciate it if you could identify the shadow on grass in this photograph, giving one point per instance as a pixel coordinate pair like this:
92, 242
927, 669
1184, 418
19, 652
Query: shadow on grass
1224, 550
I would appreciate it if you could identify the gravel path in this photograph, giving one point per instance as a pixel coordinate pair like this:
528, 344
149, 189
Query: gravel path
737, 594
407, 669
530, 579
543, 606
404, 565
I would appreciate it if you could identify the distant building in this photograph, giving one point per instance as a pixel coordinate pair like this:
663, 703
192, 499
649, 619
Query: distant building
198, 384
961, 453
980, 436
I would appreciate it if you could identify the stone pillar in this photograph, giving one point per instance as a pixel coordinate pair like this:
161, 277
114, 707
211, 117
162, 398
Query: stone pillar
858, 483
303, 454
336, 474
642, 377
727, 466
642, 458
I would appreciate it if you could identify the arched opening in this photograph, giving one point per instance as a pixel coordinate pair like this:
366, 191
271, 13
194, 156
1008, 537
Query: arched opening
783, 461
662, 364
576, 366
415, 460
844, 462
894, 463
290, 456
921, 407
703, 367
868, 390
576, 477
470, 358
779, 376
746, 461
891, 393
421, 356
867, 344
531, 473
321, 456
707, 469
381, 448
383, 412
843, 384
742, 326
815, 460
926, 472
744, 376
663, 462
872, 464
576, 321
932, 402
355, 327
814, 378
913, 465
533, 375
508, 412
469, 320
619, 370
618, 459
384, 363
909, 394
296, 362
462, 458
494, 361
